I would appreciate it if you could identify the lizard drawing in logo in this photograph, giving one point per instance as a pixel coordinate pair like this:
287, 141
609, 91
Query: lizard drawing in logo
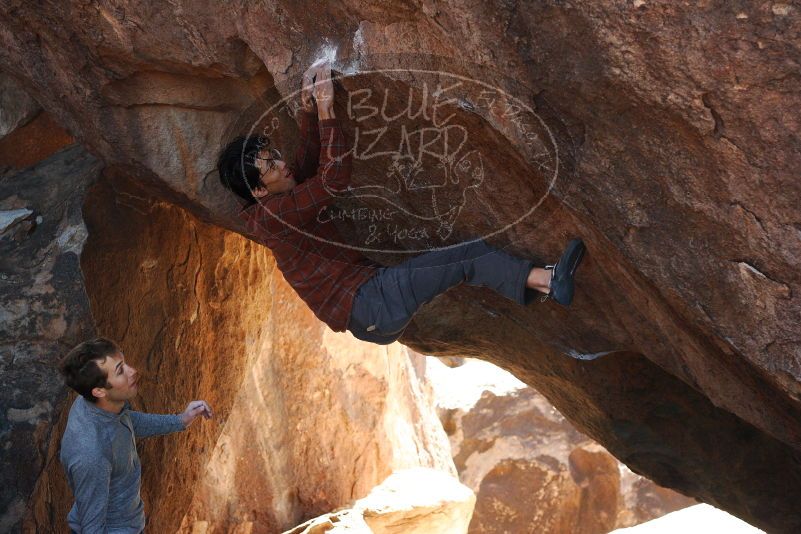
429, 187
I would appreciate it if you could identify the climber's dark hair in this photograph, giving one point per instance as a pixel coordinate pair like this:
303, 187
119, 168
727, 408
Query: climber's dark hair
79, 367
238, 157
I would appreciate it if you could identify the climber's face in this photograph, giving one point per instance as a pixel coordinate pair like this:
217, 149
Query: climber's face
275, 176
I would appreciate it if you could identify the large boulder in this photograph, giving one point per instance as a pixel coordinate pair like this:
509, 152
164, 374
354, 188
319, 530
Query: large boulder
44, 310
410, 501
695, 519
662, 133
319, 420
146, 274
87, 251
506, 436
307, 420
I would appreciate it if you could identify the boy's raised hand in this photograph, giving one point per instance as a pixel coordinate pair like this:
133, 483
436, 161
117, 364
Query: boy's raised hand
195, 408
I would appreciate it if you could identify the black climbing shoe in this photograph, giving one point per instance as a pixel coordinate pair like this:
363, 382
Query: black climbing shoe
562, 273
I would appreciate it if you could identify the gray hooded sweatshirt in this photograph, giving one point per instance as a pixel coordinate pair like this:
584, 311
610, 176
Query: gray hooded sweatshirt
98, 452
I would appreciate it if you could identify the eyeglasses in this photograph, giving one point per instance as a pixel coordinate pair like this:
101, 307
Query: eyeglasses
274, 155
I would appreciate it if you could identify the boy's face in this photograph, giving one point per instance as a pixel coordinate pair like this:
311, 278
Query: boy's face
275, 176
123, 379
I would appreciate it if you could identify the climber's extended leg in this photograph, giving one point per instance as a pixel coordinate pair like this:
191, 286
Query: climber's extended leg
539, 279
386, 303
560, 285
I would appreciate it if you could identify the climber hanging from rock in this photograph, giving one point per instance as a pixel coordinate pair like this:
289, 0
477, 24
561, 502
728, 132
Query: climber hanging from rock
345, 289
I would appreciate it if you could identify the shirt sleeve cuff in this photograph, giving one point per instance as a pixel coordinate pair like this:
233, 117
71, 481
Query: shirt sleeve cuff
179, 423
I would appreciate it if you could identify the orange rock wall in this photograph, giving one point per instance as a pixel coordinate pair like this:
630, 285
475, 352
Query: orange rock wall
306, 419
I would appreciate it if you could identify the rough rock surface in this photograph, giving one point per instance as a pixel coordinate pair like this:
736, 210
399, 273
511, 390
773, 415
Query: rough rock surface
28, 135
16, 106
677, 150
505, 436
307, 420
698, 518
319, 420
43, 311
33, 142
184, 300
410, 501
642, 500
165, 287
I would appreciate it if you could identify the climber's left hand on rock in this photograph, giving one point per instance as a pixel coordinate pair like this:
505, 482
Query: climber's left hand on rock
307, 92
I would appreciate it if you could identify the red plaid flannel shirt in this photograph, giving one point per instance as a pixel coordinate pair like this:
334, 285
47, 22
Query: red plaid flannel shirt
326, 276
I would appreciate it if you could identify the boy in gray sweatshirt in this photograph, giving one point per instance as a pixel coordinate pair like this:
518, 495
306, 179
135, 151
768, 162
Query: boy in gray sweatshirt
98, 449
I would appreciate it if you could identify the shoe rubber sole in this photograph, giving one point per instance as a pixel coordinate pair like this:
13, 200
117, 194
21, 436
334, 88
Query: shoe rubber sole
564, 271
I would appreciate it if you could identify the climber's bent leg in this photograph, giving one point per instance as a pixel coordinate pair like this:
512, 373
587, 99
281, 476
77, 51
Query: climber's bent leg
386, 303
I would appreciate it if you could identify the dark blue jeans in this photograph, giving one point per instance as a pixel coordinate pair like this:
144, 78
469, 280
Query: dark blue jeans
385, 304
